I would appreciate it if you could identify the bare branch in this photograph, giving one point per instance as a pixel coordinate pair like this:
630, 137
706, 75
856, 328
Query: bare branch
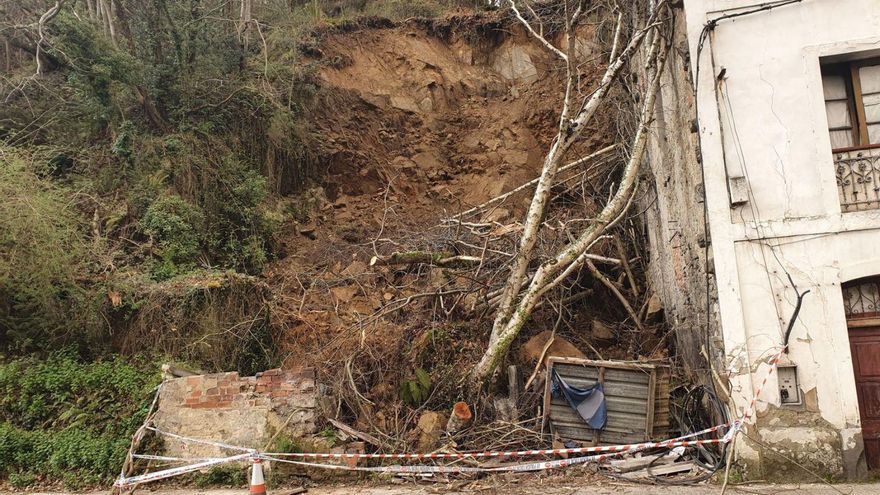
534, 33
507, 328
569, 166
46, 17
614, 290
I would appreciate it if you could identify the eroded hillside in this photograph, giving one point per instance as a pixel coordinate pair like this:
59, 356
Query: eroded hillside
417, 123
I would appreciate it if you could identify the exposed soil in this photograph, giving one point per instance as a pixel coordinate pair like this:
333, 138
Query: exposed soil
415, 122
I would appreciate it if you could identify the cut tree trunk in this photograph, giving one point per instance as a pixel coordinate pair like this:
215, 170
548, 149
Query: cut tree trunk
460, 418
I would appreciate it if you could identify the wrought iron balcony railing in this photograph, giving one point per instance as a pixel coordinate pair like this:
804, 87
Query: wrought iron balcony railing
858, 178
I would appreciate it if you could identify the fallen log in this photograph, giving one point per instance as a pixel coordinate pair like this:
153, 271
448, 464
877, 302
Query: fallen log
348, 430
415, 257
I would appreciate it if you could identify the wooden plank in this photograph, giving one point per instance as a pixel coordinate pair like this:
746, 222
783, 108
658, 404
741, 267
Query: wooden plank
609, 437
860, 105
678, 467
611, 375
632, 464
354, 433
621, 421
620, 389
613, 404
662, 422
608, 364
652, 388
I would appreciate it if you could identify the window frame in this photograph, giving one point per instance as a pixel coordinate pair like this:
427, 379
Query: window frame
849, 70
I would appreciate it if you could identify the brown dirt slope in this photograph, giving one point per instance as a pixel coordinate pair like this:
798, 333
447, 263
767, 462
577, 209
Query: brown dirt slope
415, 122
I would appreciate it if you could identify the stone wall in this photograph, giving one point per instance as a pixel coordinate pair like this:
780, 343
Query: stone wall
673, 219
241, 411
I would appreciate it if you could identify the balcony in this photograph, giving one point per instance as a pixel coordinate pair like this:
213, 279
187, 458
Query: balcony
858, 177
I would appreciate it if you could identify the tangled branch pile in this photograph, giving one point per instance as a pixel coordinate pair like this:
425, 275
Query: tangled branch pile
397, 318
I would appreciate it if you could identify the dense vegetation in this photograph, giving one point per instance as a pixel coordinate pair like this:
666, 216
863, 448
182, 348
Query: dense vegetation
149, 158
67, 419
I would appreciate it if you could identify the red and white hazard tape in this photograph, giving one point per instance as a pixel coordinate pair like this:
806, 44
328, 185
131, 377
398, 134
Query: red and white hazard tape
177, 471
201, 441
600, 453
527, 467
774, 363
675, 442
606, 452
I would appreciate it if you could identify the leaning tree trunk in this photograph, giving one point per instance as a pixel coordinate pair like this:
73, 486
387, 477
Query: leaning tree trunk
570, 129
515, 311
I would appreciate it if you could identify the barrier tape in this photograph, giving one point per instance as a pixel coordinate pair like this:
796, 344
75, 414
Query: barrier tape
528, 467
148, 457
604, 452
177, 471
514, 453
774, 364
201, 441
608, 451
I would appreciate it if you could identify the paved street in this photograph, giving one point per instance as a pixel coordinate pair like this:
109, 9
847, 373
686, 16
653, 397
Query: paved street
535, 487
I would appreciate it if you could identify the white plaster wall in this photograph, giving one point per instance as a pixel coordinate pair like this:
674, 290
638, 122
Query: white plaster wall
766, 121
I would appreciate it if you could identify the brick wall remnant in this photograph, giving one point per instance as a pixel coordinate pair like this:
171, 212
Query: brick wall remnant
242, 411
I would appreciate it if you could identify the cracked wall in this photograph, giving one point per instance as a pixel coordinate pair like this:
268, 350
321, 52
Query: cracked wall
673, 218
776, 223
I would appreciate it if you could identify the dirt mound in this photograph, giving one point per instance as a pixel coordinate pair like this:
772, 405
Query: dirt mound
416, 122
448, 122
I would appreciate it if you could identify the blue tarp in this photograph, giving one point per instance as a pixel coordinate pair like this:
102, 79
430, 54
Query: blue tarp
588, 402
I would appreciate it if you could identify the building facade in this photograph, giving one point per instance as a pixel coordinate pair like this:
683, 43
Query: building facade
785, 148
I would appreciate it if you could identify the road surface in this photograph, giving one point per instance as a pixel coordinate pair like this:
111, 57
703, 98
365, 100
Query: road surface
533, 487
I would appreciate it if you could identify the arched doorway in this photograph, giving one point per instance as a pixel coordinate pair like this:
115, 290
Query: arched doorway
861, 301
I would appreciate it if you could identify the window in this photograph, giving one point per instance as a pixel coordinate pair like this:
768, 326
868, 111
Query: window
861, 299
852, 103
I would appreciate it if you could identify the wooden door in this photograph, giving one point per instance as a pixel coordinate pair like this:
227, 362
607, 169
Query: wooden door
864, 343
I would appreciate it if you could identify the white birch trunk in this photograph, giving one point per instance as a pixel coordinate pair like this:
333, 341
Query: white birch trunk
90, 6
506, 329
569, 131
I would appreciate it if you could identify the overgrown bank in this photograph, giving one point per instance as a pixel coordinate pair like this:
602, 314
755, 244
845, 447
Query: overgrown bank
69, 419
234, 194
151, 162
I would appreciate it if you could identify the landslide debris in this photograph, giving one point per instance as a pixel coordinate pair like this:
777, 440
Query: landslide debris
415, 123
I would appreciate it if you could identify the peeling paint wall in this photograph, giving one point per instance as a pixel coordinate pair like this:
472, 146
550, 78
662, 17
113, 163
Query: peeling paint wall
764, 133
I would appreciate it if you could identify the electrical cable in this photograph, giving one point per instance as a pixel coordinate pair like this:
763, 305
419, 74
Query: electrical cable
704, 34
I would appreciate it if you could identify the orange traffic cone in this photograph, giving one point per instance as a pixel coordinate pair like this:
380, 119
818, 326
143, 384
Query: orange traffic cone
258, 484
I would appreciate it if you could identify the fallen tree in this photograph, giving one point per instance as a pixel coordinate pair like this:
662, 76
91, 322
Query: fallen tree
516, 304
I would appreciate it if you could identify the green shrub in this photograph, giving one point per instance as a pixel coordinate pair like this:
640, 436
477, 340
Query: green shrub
42, 298
177, 227
61, 391
79, 458
416, 389
63, 419
239, 228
